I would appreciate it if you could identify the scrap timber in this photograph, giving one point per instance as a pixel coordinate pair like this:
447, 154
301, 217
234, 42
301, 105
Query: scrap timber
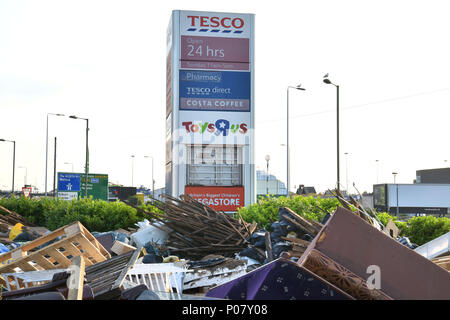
199, 230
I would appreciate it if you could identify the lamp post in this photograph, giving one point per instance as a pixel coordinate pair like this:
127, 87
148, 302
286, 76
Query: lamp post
153, 179
267, 175
26, 174
327, 81
298, 87
395, 174
14, 162
86, 166
132, 170
46, 148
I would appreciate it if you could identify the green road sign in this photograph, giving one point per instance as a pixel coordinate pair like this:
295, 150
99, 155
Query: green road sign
72, 185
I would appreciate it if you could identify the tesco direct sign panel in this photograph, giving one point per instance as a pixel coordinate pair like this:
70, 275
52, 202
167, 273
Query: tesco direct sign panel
214, 90
219, 198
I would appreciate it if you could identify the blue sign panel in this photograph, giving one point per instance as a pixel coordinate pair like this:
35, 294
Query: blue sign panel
69, 182
214, 90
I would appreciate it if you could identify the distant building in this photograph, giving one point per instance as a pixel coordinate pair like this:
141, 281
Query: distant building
269, 184
120, 193
158, 194
302, 190
441, 175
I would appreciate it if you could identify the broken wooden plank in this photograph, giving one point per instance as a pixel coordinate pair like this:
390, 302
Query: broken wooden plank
76, 279
268, 242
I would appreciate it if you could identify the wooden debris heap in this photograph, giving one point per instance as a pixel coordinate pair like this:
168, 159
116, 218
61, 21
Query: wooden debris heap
308, 226
199, 230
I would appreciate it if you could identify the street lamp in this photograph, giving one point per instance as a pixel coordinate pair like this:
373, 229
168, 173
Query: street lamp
26, 174
153, 179
132, 170
267, 174
69, 163
46, 148
14, 162
298, 87
86, 166
395, 174
327, 81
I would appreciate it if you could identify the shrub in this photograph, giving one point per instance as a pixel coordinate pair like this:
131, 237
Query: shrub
426, 228
265, 212
95, 215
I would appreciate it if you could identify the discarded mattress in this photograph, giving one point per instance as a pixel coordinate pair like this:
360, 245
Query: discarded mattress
280, 279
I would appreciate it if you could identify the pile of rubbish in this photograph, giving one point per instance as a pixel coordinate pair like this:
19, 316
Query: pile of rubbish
193, 252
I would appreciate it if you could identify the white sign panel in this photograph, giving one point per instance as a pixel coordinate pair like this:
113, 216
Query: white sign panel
67, 195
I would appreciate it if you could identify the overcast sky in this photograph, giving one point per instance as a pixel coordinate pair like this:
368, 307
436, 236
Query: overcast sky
105, 60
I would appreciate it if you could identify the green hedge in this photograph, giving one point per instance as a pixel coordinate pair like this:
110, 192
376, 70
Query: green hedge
265, 212
95, 215
419, 230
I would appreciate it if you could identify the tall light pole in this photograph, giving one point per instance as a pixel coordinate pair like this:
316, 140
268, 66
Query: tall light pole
267, 174
395, 174
26, 174
327, 81
14, 162
153, 179
46, 148
132, 170
288, 154
86, 166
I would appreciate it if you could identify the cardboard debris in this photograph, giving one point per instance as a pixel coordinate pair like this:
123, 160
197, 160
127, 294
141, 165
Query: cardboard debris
356, 245
391, 229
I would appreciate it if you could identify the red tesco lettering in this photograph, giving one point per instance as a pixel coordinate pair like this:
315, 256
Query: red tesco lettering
214, 22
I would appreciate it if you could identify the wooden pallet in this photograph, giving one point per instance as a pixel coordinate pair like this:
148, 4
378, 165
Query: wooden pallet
76, 241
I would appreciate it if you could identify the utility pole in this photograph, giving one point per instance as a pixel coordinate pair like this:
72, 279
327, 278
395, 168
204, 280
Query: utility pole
54, 173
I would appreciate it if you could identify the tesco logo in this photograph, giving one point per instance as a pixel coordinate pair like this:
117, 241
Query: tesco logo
214, 22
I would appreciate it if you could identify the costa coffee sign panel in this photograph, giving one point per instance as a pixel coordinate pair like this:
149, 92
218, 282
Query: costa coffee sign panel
227, 199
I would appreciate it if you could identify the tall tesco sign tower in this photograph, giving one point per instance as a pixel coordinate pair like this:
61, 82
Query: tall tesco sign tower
210, 108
